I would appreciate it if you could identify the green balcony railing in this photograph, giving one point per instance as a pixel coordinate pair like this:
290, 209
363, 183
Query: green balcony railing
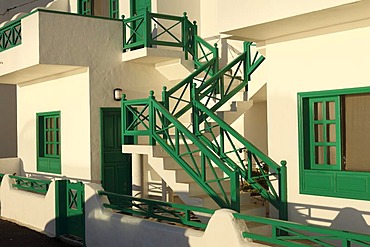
297, 235
153, 29
10, 35
152, 119
31, 184
166, 211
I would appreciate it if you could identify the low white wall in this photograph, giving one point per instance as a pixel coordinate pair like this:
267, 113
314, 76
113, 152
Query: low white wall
30, 209
105, 228
11, 166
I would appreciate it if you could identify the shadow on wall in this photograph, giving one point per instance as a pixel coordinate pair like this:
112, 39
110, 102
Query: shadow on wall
347, 219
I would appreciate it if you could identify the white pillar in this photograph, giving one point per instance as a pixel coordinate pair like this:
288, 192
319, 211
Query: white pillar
137, 175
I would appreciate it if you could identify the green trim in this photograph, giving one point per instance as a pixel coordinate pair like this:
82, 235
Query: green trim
324, 180
30, 184
48, 142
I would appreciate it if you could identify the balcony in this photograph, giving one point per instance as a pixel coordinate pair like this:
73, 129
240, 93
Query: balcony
47, 43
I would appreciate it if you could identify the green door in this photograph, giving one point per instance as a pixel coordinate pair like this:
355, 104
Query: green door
116, 166
138, 7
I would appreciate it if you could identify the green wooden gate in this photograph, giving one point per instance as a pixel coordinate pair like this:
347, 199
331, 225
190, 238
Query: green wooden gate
70, 210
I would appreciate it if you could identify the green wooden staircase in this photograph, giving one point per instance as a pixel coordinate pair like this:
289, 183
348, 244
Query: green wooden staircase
210, 144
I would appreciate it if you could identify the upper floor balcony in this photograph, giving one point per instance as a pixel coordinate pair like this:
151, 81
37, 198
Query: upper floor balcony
46, 42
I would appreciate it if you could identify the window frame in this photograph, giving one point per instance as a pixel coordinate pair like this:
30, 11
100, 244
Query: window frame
46, 162
327, 181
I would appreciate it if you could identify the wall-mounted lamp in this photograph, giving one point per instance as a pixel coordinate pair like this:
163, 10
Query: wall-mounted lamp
117, 94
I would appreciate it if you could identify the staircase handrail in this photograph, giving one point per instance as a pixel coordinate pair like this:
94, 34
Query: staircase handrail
183, 88
147, 118
254, 156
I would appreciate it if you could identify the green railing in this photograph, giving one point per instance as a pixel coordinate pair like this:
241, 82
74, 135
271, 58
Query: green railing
303, 235
171, 212
230, 80
153, 29
152, 119
242, 156
10, 35
31, 184
177, 99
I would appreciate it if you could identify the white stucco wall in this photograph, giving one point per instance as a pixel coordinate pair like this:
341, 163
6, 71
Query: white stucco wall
241, 13
33, 210
306, 63
69, 95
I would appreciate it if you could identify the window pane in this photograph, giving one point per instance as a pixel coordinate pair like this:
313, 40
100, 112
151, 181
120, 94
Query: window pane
58, 149
58, 122
317, 110
331, 155
331, 133
319, 155
330, 110
357, 131
319, 133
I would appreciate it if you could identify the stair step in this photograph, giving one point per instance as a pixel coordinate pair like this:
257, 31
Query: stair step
171, 164
158, 151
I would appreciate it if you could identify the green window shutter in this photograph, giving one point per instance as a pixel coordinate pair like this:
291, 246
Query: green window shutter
114, 9
85, 7
48, 142
325, 134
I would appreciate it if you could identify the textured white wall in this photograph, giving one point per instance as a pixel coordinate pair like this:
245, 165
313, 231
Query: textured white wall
241, 13
30, 209
69, 95
333, 61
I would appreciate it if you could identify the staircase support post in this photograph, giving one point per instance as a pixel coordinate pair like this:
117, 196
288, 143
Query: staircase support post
235, 190
283, 191
152, 122
185, 36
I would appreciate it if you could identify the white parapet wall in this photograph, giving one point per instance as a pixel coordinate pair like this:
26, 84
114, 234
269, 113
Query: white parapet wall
30, 209
106, 228
11, 166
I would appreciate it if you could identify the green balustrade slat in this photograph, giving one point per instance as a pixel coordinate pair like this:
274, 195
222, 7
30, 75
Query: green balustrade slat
31, 184
171, 212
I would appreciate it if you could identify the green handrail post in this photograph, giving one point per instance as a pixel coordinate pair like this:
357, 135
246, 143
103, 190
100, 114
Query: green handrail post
123, 118
147, 29
283, 191
124, 32
235, 190
165, 102
195, 113
195, 46
185, 36
152, 122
